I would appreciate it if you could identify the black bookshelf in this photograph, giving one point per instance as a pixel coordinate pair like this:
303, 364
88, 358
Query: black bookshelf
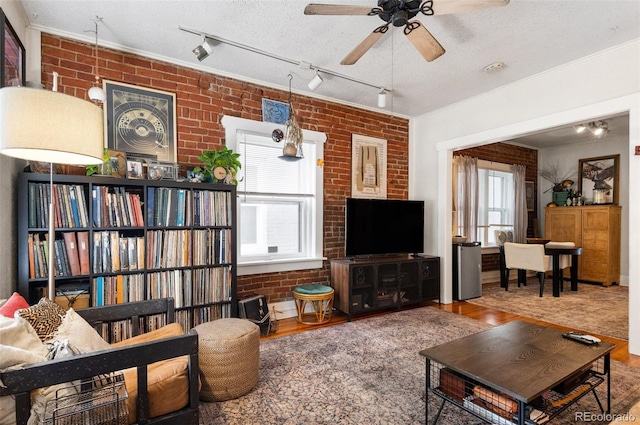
144, 239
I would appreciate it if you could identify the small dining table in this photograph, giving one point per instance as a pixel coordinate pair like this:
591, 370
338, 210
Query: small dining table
555, 252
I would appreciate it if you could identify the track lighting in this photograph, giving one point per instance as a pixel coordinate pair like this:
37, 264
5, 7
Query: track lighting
382, 98
203, 50
315, 82
580, 128
597, 128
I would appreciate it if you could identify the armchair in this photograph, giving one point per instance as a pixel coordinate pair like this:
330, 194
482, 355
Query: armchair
526, 257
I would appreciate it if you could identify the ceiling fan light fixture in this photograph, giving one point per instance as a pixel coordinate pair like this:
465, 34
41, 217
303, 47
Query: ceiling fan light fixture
315, 82
382, 98
203, 50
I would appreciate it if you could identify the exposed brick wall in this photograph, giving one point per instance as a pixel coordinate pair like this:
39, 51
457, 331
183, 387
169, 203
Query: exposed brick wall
508, 154
202, 100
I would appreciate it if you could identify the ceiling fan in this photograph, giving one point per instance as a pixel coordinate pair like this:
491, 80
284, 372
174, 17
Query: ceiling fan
398, 13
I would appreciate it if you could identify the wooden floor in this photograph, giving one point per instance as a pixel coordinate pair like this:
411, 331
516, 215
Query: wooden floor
290, 326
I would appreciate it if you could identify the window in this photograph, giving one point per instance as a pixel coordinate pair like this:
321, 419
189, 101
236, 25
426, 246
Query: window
496, 200
279, 202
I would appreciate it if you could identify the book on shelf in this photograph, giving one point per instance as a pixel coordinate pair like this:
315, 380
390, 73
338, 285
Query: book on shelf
71, 248
32, 261
83, 251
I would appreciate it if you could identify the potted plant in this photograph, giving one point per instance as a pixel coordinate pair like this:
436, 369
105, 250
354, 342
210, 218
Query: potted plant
99, 168
219, 165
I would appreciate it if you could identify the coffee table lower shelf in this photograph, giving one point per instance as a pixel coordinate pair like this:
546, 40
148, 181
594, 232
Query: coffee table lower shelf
492, 407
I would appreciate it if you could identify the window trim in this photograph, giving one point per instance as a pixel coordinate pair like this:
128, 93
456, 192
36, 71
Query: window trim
500, 167
234, 124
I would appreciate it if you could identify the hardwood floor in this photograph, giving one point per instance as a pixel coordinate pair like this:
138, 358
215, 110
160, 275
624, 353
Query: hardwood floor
494, 317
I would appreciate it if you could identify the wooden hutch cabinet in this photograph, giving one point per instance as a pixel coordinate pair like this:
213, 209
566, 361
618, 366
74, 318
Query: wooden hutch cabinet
596, 228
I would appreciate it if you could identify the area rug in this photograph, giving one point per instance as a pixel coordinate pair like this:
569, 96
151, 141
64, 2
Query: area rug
592, 309
369, 371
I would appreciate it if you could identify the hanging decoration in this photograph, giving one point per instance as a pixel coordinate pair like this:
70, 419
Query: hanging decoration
292, 135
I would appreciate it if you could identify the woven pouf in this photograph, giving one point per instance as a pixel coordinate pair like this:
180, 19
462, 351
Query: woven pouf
321, 299
229, 358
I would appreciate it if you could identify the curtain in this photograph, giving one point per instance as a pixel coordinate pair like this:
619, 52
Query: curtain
466, 201
520, 214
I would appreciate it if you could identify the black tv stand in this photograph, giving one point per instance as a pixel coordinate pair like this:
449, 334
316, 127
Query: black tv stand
374, 283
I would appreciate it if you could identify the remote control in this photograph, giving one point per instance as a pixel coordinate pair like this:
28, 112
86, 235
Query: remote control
583, 338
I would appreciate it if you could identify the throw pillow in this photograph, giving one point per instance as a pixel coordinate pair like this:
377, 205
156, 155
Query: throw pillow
80, 334
45, 317
14, 303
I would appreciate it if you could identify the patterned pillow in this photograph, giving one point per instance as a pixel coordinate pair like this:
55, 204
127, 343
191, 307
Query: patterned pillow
44, 317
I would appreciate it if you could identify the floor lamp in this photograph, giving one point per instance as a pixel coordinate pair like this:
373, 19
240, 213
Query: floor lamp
48, 126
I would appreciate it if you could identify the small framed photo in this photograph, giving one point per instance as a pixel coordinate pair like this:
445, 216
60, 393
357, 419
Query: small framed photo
117, 164
134, 169
162, 171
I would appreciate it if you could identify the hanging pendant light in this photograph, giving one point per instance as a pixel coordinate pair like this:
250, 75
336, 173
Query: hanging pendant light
292, 150
96, 93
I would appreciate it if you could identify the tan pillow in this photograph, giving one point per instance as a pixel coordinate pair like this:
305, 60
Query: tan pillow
81, 335
45, 317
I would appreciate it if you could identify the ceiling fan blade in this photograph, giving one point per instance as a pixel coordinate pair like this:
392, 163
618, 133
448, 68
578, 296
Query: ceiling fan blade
336, 9
445, 7
423, 41
365, 45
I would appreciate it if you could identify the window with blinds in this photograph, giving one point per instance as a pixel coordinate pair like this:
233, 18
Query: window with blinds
277, 200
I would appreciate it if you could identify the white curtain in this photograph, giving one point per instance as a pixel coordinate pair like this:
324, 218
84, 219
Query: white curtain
466, 201
520, 215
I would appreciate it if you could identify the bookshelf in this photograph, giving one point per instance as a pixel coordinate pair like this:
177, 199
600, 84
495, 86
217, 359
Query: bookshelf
124, 240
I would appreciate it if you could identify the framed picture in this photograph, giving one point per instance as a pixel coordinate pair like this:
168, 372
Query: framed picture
530, 192
368, 167
117, 164
598, 179
134, 170
162, 172
274, 111
140, 121
12, 55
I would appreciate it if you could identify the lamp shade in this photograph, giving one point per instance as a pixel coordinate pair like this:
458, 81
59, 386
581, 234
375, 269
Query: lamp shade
48, 126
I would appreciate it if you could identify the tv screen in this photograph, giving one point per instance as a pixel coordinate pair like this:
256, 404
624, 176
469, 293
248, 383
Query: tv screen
384, 226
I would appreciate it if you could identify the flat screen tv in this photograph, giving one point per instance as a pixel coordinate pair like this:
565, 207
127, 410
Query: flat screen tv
384, 226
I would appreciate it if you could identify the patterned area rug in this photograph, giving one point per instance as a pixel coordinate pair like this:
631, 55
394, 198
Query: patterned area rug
592, 309
370, 372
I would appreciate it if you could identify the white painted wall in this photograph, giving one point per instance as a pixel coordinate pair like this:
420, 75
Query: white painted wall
602, 84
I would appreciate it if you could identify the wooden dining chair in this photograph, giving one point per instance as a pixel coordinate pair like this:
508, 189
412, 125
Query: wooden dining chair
521, 256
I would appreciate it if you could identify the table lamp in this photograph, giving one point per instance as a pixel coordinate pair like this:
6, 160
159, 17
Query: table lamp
48, 126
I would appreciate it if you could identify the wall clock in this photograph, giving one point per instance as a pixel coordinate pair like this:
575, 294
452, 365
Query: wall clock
141, 121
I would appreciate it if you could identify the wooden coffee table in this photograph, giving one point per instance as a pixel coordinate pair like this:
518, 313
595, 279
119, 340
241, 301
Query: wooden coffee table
526, 364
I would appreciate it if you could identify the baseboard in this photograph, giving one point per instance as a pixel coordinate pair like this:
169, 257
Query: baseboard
283, 309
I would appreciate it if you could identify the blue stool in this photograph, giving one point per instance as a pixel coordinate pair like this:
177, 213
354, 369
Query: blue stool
321, 299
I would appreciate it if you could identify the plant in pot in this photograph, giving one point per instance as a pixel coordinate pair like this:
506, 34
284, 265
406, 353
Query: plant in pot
219, 165
99, 168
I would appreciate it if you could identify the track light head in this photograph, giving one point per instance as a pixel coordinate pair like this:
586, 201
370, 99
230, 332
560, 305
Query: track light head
382, 98
315, 82
203, 50
580, 128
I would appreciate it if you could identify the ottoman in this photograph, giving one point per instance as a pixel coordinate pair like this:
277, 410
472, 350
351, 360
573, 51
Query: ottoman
229, 358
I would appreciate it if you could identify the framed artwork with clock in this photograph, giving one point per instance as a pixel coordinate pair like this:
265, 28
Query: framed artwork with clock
141, 121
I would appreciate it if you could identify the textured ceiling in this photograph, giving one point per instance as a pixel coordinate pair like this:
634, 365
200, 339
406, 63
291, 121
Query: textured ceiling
529, 36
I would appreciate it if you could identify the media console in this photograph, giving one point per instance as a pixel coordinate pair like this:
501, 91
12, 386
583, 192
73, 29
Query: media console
364, 285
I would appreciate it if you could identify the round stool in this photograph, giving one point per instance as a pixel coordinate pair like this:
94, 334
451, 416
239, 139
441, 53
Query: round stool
321, 299
229, 358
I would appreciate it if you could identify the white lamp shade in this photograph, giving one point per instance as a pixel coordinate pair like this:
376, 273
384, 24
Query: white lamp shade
47, 126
